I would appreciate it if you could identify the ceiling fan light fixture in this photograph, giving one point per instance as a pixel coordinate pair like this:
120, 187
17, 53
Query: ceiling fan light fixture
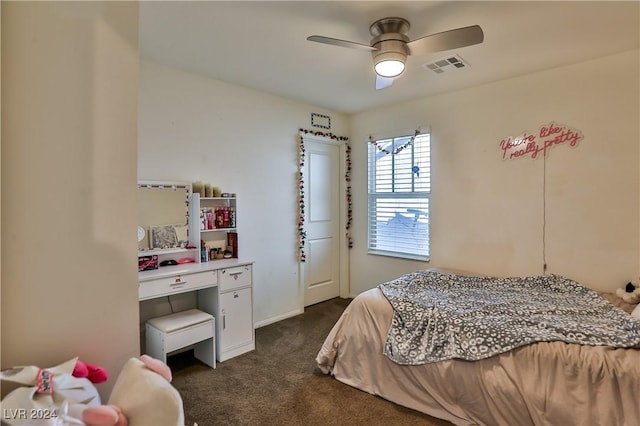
389, 68
390, 64
391, 45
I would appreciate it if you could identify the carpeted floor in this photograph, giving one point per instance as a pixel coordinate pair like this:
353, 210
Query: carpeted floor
280, 384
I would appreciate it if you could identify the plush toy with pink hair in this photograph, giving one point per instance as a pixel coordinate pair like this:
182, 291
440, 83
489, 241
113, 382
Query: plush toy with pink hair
51, 388
69, 389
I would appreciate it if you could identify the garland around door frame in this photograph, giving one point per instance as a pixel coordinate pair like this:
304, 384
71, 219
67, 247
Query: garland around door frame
302, 234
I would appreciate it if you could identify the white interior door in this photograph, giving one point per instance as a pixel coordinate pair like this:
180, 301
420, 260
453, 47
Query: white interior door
321, 174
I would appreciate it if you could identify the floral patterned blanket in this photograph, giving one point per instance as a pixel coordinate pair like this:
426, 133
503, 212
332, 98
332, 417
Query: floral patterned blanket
439, 316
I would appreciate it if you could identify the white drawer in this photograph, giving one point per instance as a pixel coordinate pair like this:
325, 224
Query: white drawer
232, 278
176, 284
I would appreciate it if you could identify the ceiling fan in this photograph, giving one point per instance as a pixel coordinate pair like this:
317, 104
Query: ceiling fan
391, 45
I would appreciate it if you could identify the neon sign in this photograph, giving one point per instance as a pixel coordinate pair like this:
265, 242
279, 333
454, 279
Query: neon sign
547, 137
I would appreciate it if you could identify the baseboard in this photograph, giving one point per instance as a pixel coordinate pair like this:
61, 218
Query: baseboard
279, 318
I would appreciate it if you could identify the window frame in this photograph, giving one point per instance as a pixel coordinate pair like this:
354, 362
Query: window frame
422, 196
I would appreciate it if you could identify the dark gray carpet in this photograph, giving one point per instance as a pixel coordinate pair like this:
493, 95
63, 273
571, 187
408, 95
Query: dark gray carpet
280, 384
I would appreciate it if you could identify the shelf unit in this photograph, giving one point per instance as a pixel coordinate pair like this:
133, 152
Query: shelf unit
231, 301
222, 237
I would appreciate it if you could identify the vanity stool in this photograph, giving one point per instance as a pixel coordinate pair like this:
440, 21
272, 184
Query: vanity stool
176, 331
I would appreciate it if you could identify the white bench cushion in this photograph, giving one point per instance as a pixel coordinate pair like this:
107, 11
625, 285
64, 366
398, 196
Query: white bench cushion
179, 320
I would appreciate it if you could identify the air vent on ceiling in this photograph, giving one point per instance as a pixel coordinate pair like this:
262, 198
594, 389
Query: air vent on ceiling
450, 63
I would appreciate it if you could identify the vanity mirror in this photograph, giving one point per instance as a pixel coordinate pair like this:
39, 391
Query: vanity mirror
163, 216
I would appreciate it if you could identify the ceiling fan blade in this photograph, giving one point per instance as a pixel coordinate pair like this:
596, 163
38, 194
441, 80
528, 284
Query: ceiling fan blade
383, 82
342, 43
447, 40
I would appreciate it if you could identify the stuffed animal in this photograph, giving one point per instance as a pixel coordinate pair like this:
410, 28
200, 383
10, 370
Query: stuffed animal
66, 391
52, 391
630, 293
112, 415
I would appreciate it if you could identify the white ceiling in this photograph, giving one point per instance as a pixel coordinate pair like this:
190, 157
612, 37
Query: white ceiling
262, 45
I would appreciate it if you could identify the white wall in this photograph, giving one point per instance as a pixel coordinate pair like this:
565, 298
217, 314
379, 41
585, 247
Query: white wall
487, 214
243, 141
69, 127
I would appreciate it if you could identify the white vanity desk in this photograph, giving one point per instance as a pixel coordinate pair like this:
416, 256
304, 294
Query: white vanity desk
224, 290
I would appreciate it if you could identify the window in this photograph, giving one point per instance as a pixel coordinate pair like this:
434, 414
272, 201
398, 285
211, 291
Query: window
399, 193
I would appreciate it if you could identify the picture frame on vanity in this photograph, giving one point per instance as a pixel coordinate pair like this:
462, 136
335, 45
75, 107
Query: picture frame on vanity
163, 237
182, 235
